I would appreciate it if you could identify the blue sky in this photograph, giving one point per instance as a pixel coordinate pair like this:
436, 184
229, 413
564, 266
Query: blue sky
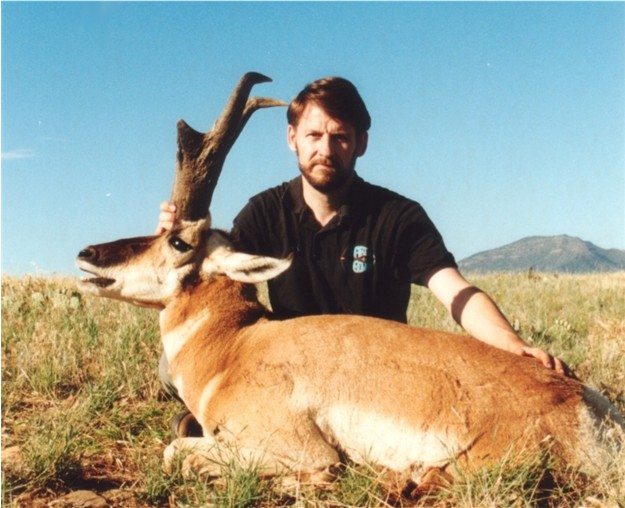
503, 120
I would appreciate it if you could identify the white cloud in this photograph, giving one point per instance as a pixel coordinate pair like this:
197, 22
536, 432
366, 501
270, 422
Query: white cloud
24, 153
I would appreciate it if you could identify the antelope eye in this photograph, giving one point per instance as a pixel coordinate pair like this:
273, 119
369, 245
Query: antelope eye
179, 245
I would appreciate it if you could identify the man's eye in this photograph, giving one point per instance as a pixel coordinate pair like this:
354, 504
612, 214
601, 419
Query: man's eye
179, 245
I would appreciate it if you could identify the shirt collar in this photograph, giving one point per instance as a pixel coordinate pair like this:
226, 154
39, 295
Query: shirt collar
351, 204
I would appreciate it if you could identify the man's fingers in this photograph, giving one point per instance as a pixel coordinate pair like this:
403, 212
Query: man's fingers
566, 370
168, 206
166, 218
164, 224
540, 355
545, 358
162, 227
559, 366
549, 361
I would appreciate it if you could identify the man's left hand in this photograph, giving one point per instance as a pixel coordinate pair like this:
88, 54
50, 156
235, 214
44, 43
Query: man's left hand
551, 362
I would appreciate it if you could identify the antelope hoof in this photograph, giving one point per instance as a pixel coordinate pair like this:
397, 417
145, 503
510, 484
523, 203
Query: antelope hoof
433, 481
197, 465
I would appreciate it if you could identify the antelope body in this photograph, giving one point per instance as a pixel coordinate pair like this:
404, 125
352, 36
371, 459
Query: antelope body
301, 394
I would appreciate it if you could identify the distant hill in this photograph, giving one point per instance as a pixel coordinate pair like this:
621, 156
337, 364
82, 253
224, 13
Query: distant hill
546, 254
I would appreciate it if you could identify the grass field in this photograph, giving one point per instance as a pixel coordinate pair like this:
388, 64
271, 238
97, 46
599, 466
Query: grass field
82, 408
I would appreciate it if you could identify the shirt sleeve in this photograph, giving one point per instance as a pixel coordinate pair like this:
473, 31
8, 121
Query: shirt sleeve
424, 246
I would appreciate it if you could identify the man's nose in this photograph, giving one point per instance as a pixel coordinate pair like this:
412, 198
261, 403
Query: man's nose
324, 146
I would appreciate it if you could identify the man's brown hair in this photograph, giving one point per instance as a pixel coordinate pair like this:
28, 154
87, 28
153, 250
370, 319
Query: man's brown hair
336, 96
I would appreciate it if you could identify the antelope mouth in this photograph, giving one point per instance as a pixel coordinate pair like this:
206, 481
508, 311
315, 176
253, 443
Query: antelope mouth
98, 281
101, 282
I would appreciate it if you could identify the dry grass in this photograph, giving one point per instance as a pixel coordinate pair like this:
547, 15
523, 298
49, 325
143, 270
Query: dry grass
81, 404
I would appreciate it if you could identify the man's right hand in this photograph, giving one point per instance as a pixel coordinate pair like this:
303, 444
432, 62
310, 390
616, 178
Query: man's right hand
166, 217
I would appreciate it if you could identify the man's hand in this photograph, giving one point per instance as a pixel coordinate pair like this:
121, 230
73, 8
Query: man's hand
166, 217
551, 362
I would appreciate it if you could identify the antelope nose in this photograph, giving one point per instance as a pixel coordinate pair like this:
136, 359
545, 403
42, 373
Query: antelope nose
88, 254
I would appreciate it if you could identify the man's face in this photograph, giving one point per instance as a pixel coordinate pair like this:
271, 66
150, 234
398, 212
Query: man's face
326, 148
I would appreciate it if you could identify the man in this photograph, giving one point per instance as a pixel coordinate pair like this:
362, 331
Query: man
356, 247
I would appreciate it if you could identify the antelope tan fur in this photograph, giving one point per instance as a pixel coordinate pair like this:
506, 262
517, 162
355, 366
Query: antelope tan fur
301, 395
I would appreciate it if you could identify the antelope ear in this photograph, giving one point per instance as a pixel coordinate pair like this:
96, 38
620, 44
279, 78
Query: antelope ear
244, 267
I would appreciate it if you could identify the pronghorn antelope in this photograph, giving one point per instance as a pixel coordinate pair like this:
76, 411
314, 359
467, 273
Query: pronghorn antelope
304, 394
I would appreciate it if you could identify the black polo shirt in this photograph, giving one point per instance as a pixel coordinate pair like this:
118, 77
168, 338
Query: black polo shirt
362, 262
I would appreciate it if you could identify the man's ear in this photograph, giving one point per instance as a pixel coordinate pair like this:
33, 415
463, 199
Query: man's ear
290, 137
244, 267
361, 144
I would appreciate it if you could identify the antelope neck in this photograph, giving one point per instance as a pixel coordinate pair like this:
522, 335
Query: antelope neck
224, 302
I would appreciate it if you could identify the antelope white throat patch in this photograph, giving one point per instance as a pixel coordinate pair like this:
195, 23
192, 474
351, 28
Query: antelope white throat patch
175, 339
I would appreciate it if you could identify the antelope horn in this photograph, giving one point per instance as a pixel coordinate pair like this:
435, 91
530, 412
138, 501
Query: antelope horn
201, 157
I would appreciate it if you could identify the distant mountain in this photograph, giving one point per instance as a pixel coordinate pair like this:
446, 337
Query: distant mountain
546, 254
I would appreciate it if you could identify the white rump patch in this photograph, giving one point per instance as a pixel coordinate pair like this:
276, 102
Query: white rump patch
370, 436
175, 339
601, 432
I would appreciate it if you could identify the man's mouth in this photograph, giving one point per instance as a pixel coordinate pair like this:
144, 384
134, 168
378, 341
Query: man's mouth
325, 165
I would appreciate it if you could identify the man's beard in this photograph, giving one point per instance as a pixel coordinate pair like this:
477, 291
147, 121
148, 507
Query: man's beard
331, 181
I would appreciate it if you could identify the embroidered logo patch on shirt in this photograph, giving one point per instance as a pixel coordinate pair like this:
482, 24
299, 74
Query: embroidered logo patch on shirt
361, 259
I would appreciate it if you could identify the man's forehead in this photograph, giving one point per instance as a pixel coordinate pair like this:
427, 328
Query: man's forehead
316, 117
